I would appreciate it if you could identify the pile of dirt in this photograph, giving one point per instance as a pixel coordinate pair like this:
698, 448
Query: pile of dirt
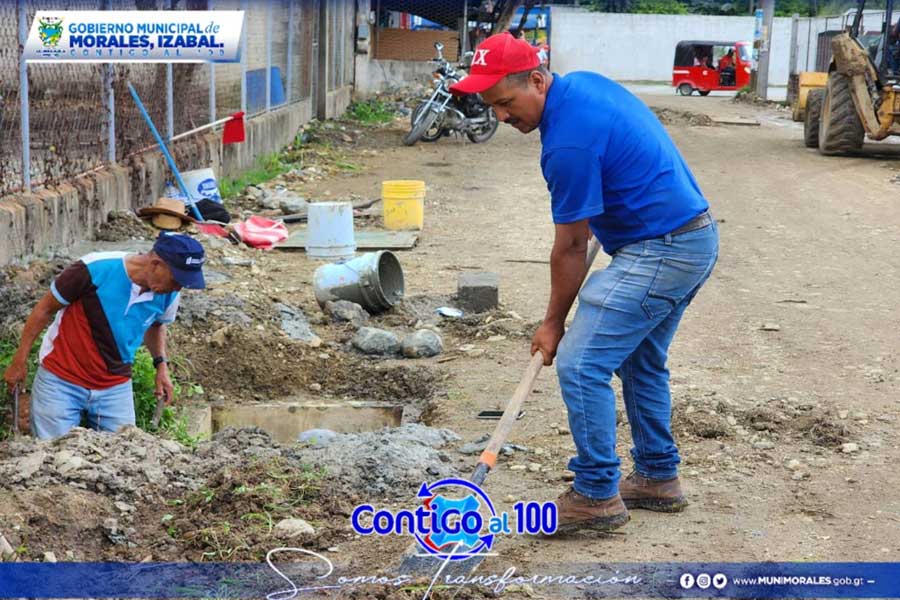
235, 515
692, 423
669, 116
822, 431
752, 98
130, 467
94, 496
199, 308
391, 463
124, 225
490, 324
249, 364
20, 289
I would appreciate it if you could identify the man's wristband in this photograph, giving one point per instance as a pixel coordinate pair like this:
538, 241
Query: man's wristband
158, 360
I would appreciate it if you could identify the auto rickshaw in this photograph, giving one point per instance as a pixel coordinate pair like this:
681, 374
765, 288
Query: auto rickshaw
706, 66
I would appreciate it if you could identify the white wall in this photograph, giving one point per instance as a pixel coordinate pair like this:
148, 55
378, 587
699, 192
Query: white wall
642, 47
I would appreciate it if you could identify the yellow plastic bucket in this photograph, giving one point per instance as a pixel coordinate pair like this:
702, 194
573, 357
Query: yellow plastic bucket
404, 204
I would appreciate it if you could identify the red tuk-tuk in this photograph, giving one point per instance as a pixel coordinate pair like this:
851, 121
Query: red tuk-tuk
706, 66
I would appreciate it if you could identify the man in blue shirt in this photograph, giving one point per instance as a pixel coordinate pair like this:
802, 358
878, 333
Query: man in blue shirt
612, 171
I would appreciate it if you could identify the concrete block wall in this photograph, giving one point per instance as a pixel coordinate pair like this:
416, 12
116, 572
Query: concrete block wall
632, 47
373, 75
50, 220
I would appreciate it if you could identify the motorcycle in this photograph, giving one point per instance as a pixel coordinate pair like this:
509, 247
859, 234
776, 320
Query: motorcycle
443, 113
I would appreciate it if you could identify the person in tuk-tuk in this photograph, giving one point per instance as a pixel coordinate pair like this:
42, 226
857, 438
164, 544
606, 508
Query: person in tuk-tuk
726, 68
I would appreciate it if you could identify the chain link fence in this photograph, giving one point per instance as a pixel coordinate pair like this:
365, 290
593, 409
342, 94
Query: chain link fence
70, 128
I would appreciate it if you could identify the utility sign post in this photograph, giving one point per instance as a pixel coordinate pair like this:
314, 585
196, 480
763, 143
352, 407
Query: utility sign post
762, 42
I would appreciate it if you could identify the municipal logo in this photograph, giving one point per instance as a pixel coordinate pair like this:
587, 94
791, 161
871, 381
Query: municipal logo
50, 31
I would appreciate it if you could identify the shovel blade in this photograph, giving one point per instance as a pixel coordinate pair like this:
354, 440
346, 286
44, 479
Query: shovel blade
417, 563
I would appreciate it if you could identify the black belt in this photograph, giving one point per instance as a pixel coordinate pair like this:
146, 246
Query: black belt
698, 222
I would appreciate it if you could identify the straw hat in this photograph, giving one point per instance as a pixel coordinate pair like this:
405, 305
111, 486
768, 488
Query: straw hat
166, 213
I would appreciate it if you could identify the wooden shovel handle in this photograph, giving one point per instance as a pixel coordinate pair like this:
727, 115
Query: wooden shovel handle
508, 420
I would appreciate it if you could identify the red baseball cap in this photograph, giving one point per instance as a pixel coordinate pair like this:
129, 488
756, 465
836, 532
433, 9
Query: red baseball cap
495, 58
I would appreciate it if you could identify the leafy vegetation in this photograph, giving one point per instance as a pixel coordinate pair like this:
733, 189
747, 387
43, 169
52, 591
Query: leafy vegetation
370, 112
143, 376
269, 167
7, 351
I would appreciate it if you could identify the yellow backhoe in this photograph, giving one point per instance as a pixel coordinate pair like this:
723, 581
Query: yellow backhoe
861, 96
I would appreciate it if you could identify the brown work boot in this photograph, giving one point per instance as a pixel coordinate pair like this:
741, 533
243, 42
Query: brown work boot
662, 495
576, 511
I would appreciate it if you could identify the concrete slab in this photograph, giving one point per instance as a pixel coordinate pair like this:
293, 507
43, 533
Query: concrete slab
284, 421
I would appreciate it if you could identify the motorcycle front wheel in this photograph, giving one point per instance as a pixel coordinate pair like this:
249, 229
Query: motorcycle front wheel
420, 128
434, 133
486, 131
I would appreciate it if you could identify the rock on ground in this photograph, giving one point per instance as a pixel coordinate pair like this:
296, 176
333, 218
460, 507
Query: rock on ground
370, 340
422, 344
294, 323
346, 311
291, 528
390, 463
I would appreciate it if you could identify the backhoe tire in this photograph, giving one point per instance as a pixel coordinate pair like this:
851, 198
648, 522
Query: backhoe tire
840, 129
811, 118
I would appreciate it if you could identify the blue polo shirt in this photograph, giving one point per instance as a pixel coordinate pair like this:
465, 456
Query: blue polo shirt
608, 159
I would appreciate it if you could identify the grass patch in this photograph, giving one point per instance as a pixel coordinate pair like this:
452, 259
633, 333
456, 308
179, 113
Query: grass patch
370, 112
268, 168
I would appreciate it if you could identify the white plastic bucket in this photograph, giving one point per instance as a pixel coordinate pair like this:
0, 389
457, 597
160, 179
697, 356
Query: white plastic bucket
329, 232
201, 184
374, 281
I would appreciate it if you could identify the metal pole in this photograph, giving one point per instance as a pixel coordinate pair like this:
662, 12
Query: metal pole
244, 7
212, 77
23, 100
268, 55
109, 71
343, 44
465, 29
290, 52
809, 28
762, 76
107, 82
170, 94
323, 38
795, 29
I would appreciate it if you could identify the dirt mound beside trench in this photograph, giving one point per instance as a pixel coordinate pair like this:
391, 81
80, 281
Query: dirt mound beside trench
96, 496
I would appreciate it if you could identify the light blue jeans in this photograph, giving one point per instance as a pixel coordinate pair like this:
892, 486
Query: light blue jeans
627, 316
57, 406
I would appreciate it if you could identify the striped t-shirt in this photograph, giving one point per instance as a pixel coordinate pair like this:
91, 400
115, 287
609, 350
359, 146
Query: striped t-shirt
92, 341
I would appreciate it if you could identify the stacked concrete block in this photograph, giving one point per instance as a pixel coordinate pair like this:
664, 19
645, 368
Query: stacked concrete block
478, 291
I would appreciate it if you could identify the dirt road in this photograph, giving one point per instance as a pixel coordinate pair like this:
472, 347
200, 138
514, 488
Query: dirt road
789, 353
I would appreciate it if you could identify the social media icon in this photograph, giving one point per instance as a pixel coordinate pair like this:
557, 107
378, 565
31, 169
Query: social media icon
703, 581
687, 581
720, 581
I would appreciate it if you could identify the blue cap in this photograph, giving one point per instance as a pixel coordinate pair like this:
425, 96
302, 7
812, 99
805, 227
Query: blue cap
185, 258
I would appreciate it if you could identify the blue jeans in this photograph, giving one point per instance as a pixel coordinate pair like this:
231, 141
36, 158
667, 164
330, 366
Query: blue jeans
627, 316
57, 405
